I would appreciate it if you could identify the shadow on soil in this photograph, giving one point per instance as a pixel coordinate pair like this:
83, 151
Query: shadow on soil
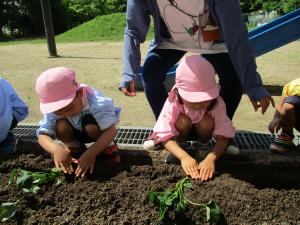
265, 170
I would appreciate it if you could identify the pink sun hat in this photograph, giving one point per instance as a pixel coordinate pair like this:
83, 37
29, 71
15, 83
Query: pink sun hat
56, 88
195, 79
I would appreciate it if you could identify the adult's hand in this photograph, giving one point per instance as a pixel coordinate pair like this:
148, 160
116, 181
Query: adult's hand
263, 103
129, 91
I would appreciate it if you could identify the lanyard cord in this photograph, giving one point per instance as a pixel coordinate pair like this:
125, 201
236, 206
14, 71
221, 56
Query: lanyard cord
174, 4
166, 22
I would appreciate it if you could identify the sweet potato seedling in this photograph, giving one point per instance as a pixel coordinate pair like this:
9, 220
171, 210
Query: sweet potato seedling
31, 181
175, 199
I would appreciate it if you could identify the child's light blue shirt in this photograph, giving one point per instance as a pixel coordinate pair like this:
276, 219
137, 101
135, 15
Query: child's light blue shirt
10, 106
101, 107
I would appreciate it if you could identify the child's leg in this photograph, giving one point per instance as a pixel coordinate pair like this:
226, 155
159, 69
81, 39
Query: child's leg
93, 131
205, 128
183, 125
91, 127
65, 133
289, 111
288, 116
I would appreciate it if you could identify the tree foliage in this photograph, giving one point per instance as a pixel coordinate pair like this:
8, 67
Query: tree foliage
281, 6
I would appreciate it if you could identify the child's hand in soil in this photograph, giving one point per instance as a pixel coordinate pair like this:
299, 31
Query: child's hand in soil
85, 163
190, 167
63, 160
207, 168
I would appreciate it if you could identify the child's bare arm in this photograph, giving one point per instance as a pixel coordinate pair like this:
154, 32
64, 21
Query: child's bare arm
106, 137
62, 156
207, 166
219, 147
279, 106
188, 163
87, 161
275, 124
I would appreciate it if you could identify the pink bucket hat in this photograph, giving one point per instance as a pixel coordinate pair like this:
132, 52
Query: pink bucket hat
195, 79
56, 88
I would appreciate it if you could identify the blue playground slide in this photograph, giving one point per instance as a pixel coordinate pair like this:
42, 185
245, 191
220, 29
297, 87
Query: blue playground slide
265, 38
276, 33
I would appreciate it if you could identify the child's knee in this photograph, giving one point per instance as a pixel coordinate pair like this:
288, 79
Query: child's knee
205, 128
92, 131
90, 126
207, 123
63, 128
183, 122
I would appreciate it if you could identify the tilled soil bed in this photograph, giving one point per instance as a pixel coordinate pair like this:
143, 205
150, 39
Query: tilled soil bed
249, 189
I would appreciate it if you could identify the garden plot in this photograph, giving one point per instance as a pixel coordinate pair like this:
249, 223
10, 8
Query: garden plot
249, 189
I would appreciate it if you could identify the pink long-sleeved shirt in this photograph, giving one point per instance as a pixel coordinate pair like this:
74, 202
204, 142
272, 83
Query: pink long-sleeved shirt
164, 128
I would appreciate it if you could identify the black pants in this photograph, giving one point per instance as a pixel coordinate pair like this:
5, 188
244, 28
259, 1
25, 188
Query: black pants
82, 136
159, 61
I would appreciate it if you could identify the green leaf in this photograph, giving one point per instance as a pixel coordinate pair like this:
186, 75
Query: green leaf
212, 212
24, 180
11, 176
55, 172
181, 207
8, 210
33, 189
187, 184
162, 213
152, 196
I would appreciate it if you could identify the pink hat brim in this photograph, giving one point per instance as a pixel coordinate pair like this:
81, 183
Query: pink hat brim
199, 96
54, 106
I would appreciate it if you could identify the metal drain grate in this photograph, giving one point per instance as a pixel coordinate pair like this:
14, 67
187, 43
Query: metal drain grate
134, 137
26, 132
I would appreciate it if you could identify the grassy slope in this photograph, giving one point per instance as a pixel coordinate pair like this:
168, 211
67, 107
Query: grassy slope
102, 28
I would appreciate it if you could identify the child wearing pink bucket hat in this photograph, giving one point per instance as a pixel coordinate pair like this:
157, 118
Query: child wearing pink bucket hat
75, 114
193, 105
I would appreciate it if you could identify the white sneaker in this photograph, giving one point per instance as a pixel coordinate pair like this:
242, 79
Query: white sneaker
149, 145
233, 148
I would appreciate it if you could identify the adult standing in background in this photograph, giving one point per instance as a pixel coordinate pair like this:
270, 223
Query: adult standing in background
213, 28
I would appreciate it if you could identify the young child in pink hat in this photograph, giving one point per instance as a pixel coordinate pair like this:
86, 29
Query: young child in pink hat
75, 114
194, 105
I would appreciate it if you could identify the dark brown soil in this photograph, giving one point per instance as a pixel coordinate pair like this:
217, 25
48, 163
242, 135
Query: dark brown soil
257, 189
